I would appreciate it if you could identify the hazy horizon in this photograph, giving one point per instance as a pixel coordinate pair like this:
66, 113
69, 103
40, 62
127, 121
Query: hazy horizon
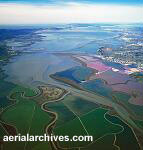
62, 12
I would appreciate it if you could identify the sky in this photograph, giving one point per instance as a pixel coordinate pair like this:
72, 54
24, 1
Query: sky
70, 11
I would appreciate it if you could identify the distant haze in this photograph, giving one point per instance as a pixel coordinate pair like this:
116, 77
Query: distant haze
13, 13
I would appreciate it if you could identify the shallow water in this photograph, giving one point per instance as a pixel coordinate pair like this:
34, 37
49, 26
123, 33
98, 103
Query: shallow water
28, 69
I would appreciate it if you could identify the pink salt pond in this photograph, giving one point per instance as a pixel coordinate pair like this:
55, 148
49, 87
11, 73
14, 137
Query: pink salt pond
94, 63
98, 66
